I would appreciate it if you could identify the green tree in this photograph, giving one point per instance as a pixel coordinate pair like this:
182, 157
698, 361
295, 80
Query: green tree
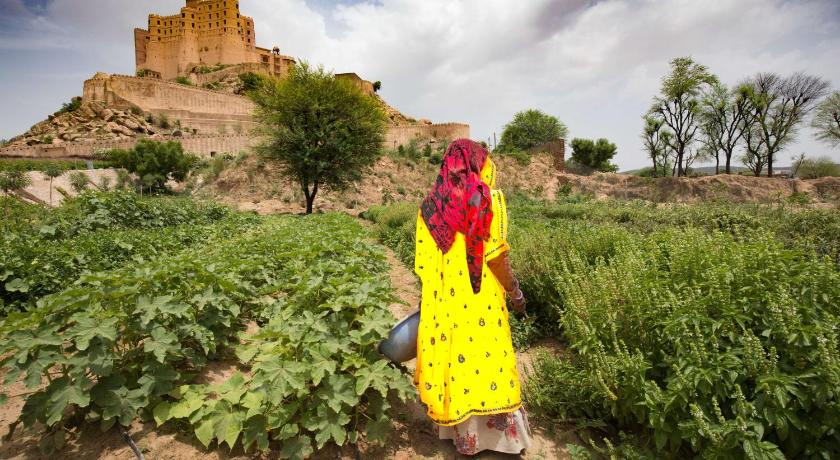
779, 105
594, 154
827, 120
12, 181
678, 106
322, 131
153, 162
656, 142
722, 122
807, 168
251, 81
51, 172
78, 181
530, 128
377, 85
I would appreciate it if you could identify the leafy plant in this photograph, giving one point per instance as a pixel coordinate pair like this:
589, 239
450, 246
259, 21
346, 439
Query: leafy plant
153, 162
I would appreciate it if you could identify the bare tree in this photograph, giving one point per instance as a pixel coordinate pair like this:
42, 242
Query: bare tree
722, 122
827, 120
678, 106
780, 105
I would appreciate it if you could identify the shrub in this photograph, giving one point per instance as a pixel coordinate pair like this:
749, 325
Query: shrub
701, 343
72, 106
594, 154
183, 80
154, 162
531, 128
78, 181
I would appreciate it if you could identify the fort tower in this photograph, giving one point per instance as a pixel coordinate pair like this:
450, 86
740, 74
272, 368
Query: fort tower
204, 33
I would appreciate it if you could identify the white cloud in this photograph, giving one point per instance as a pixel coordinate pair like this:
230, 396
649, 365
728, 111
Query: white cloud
595, 64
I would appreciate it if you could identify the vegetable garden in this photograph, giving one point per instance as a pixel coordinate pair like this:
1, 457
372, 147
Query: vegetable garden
116, 304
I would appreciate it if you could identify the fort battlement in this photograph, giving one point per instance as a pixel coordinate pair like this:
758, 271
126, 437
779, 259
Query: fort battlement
201, 145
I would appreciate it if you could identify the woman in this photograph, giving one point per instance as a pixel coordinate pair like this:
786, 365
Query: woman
466, 367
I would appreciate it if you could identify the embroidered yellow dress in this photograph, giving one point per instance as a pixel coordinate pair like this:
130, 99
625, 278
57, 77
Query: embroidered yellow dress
465, 360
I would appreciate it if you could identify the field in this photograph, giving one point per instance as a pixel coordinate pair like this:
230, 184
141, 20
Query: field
115, 305
656, 330
685, 330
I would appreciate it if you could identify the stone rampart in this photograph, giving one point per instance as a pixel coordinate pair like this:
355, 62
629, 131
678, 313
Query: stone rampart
196, 108
423, 133
201, 145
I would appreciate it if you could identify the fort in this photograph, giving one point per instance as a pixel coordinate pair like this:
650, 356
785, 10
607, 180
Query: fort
185, 64
205, 33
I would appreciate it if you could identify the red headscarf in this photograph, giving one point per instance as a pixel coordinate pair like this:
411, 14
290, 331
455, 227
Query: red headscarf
460, 202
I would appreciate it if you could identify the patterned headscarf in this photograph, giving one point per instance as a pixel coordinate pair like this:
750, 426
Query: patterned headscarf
460, 202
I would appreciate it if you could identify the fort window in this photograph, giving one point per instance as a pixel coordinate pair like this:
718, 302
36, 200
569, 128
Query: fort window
183, 15
158, 23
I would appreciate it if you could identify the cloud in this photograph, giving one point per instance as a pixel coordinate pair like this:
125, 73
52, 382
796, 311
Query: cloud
594, 64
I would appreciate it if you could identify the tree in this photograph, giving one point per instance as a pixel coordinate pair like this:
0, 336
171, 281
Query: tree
827, 120
531, 128
678, 106
12, 181
78, 181
323, 131
50, 173
807, 168
722, 122
377, 85
779, 106
153, 162
595, 155
656, 142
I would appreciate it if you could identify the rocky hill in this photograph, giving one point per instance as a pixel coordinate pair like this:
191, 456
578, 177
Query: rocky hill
90, 122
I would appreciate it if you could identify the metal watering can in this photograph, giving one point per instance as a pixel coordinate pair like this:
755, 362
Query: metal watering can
401, 344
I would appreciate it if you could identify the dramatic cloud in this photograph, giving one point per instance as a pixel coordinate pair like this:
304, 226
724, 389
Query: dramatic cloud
594, 64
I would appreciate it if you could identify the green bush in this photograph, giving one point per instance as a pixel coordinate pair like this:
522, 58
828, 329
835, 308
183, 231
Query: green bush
153, 162
183, 80
704, 343
72, 106
818, 167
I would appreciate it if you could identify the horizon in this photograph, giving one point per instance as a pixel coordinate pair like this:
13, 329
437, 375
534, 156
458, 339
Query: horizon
547, 55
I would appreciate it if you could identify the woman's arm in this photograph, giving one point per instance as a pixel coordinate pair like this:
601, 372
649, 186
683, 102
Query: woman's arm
500, 266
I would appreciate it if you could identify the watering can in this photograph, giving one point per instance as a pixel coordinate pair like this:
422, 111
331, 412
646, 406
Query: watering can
401, 344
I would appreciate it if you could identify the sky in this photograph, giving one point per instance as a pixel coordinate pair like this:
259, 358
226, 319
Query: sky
595, 65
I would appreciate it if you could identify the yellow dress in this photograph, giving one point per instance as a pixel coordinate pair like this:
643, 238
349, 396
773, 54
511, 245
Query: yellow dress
465, 360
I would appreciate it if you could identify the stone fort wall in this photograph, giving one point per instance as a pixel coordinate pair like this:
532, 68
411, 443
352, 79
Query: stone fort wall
423, 133
200, 108
201, 145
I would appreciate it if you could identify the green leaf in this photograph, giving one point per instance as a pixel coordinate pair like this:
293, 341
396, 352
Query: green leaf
255, 430
162, 413
88, 328
297, 448
338, 390
17, 285
204, 432
377, 430
62, 394
161, 343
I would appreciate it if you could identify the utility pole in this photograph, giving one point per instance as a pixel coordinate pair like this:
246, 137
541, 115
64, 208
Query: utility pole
494, 140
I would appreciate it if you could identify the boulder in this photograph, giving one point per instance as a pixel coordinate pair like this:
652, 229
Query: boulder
130, 124
107, 114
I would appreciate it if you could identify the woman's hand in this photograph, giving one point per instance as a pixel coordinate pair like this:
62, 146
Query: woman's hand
517, 300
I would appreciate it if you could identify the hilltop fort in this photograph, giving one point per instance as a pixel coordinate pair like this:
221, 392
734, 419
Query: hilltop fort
188, 86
